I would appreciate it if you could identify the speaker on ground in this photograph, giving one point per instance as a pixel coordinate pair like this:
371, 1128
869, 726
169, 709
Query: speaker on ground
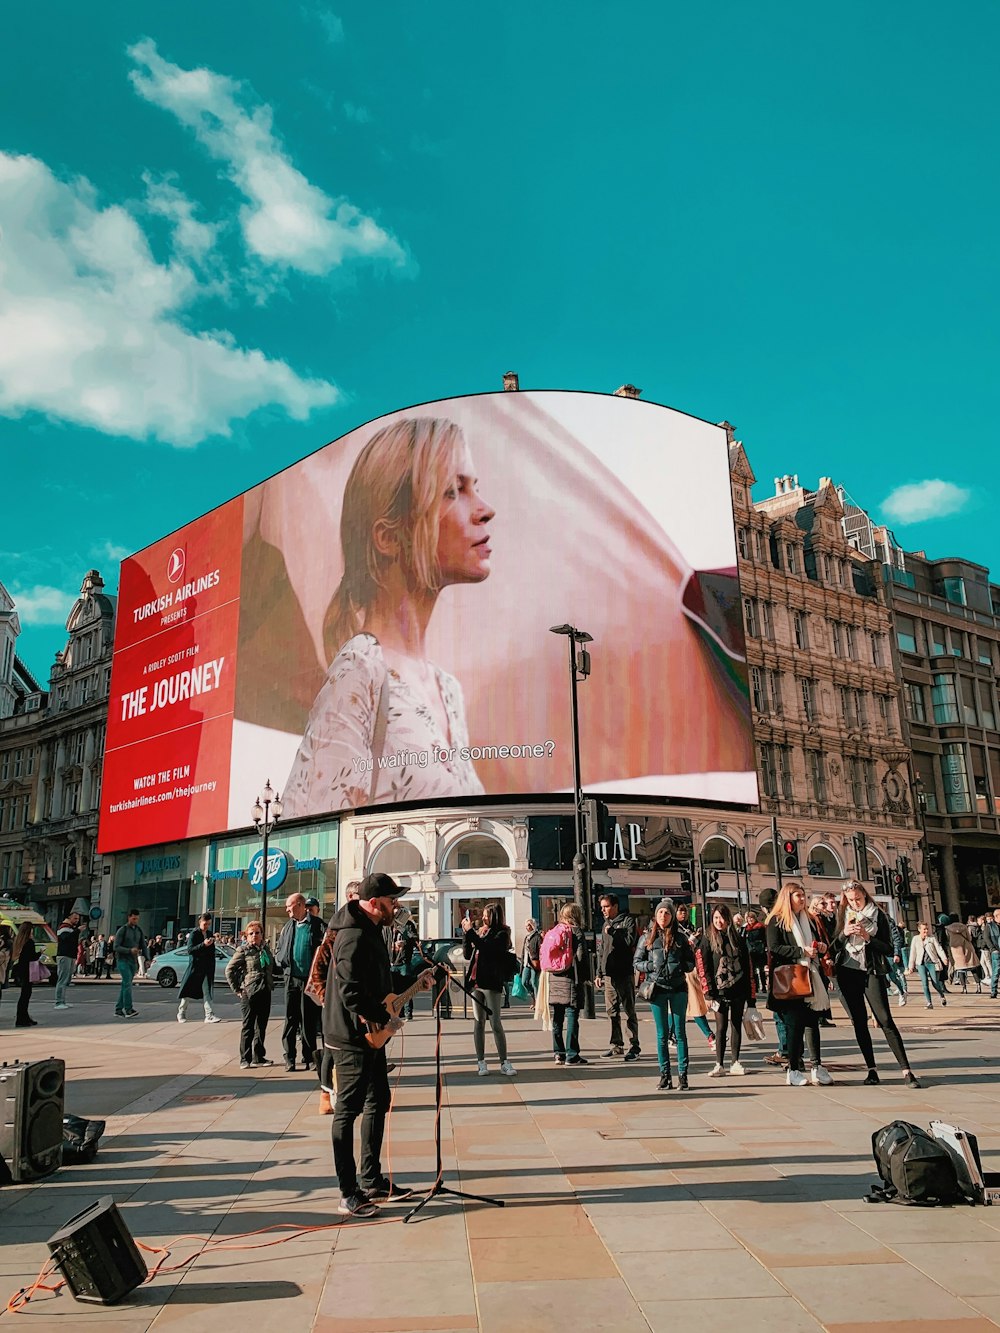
97, 1256
31, 1119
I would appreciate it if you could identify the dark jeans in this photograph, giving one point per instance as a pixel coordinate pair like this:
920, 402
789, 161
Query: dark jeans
619, 997
256, 1010
23, 998
571, 1015
362, 1089
802, 1030
730, 1014
994, 971
855, 988
301, 1022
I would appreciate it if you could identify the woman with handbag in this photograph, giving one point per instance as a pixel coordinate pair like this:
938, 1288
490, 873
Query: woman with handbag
489, 947
664, 957
862, 949
727, 979
796, 984
24, 964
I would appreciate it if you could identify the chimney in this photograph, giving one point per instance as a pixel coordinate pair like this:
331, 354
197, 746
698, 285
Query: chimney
511, 383
730, 430
627, 391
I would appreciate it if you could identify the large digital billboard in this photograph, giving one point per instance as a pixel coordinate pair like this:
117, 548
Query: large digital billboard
372, 625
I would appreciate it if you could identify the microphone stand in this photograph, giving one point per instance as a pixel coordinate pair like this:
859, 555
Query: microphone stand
438, 1188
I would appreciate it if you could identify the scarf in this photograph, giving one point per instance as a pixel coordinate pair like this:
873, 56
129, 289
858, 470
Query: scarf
867, 917
802, 929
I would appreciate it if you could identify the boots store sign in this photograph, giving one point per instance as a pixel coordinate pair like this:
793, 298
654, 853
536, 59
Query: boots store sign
277, 869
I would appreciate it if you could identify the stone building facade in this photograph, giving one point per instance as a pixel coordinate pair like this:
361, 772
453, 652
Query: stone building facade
50, 768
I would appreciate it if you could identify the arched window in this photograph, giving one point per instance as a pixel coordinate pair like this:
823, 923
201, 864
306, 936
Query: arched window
398, 857
764, 861
823, 862
477, 852
715, 854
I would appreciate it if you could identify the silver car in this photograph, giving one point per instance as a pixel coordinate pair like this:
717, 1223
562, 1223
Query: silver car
168, 968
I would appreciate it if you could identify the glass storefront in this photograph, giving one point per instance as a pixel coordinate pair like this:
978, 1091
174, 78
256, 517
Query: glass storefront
312, 871
165, 884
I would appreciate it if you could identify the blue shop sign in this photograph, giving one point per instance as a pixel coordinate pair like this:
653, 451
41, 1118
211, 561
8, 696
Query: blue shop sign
277, 869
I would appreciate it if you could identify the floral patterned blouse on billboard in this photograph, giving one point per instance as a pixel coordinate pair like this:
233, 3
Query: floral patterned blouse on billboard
370, 740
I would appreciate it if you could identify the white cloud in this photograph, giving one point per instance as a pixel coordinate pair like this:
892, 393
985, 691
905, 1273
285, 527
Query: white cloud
91, 325
287, 221
360, 115
921, 500
110, 551
192, 238
333, 27
43, 606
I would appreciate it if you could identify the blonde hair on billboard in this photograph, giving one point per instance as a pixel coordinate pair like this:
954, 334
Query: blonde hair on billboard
397, 482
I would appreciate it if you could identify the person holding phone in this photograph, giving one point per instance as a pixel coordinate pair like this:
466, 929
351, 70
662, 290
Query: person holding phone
488, 946
199, 978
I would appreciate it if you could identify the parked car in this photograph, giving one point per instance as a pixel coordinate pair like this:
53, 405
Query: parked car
168, 968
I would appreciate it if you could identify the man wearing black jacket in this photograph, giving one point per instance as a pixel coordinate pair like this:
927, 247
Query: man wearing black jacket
359, 981
300, 937
616, 974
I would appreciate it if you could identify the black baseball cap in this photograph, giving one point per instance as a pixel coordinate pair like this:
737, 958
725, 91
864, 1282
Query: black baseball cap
379, 886
312, 902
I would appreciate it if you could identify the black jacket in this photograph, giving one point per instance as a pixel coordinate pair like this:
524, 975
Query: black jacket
783, 947
491, 962
359, 979
616, 947
67, 941
714, 983
19, 970
878, 951
283, 949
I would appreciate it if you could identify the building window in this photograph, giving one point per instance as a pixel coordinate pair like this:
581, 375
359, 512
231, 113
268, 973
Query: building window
743, 544
986, 708
769, 771
980, 783
954, 591
818, 773
5, 765
876, 645
775, 680
915, 702
808, 703
955, 780
750, 617
861, 704
799, 629
906, 634
984, 652
71, 797
850, 642
838, 640
29, 763
994, 758
944, 699
758, 688
937, 637
758, 546
969, 714
791, 558
766, 621
855, 779
871, 786
847, 707
79, 746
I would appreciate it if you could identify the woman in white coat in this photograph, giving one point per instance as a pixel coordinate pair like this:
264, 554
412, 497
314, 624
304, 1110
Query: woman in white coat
928, 959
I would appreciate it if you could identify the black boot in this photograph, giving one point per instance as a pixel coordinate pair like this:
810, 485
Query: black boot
682, 1083
666, 1084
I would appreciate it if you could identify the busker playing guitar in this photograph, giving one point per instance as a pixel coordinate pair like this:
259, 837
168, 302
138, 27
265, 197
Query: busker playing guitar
360, 1014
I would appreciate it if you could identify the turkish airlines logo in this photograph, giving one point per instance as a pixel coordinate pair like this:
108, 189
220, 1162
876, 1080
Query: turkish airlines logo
175, 565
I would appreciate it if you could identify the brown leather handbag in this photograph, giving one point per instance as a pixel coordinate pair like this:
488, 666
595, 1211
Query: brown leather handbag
791, 981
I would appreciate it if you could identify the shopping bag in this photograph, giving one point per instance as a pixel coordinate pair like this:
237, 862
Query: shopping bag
753, 1025
517, 990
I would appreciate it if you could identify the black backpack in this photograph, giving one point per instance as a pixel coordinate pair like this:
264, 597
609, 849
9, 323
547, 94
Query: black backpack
915, 1168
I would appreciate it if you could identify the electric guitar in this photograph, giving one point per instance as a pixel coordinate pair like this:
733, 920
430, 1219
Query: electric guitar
379, 1034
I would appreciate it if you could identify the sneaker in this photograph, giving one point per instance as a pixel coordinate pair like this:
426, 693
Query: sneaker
672, 1040
64, 1006
560, 1059
289, 1066
682, 1083
131, 1013
820, 1077
666, 1084
928, 1005
776, 1059
943, 1000
711, 1044
902, 1001
387, 1192
827, 1023
718, 1072
577, 1060
245, 1064
357, 1205
508, 1069
796, 1079
911, 1080
872, 1078
182, 1018
261, 1064
213, 1018
615, 1050
632, 1054
483, 1068
736, 1068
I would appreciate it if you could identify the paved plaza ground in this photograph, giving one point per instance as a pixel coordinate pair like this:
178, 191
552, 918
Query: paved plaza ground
738, 1204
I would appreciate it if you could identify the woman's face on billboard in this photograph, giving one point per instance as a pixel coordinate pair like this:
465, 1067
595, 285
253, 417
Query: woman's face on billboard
463, 549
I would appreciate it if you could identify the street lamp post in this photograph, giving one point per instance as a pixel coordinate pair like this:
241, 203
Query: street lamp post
579, 669
920, 793
265, 814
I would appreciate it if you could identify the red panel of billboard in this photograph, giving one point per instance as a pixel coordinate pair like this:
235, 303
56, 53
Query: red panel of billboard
371, 625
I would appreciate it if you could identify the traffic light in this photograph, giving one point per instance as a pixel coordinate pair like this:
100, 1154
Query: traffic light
790, 854
881, 878
861, 855
711, 881
686, 884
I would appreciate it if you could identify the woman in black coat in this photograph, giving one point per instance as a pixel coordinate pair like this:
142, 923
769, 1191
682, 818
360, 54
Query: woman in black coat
489, 948
199, 978
862, 949
23, 954
794, 937
726, 975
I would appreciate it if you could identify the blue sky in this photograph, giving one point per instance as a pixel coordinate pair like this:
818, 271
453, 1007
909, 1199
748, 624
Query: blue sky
231, 233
